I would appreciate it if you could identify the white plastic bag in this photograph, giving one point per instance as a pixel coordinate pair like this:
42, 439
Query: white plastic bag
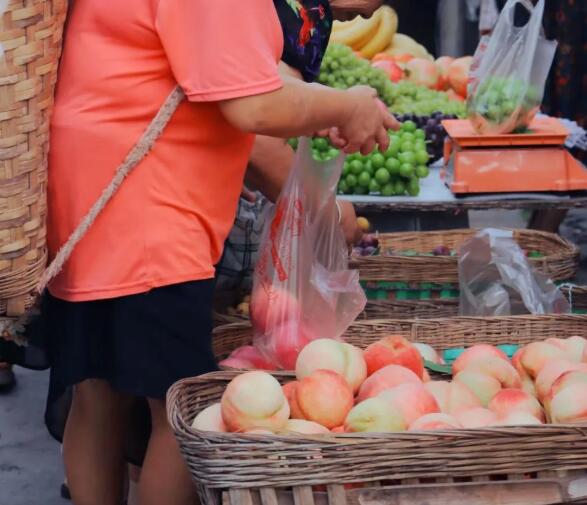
509, 71
496, 279
302, 287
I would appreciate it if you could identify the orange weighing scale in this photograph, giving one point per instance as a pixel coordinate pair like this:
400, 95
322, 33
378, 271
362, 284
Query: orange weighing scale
536, 161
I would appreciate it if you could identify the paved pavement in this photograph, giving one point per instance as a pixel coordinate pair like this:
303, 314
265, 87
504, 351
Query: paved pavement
30, 464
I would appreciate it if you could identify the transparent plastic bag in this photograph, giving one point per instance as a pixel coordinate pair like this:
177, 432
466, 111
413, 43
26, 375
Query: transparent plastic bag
509, 70
496, 279
302, 286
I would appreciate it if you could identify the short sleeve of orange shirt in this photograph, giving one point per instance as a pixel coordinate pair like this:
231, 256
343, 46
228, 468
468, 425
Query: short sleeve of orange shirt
168, 222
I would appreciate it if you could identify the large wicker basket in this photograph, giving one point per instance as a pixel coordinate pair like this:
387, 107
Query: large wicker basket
455, 465
30, 33
442, 333
559, 259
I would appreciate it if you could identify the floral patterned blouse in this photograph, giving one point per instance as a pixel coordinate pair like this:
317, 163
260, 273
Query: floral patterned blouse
306, 28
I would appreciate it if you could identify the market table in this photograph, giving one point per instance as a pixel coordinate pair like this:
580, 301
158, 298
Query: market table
438, 207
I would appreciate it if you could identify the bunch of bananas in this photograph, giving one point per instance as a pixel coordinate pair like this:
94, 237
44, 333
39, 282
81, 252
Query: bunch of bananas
377, 34
367, 36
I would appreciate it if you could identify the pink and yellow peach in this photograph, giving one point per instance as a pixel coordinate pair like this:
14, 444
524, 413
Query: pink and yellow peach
435, 422
326, 354
452, 397
210, 419
569, 404
475, 353
411, 401
386, 378
303, 427
428, 353
482, 385
325, 398
374, 416
551, 372
508, 401
254, 400
478, 417
533, 357
393, 350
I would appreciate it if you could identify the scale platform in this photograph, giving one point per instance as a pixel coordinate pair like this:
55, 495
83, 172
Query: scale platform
536, 161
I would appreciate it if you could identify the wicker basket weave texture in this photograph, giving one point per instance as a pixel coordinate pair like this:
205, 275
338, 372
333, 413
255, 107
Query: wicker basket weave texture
31, 35
560, 260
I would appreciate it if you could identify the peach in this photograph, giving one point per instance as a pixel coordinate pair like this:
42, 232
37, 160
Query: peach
258, 432
585, 355
338, 429
458, 74
501, 370
482, 385
423, 72
254, 400
569, 404
411, 400
271, 307
386, 378
428, 353
552, 371
527, 381
303, 427
393, 350
248, 355
519, 418
475, 353
435, 422
326, 354
285, 343
325, 398
452, 397
291, 394
533, 357
374, 416
508, 401
426, 376
576, 348
442, 64
478, 417
566, 379
210, 419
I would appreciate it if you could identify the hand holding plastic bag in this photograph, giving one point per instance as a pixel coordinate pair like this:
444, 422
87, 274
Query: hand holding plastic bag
302, 287
509, 70
496, 279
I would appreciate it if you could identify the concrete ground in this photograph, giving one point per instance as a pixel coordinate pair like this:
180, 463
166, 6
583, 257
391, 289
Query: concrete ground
31, 471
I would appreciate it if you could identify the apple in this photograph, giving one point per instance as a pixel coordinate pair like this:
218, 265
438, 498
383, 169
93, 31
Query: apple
393, 350
386, 378
422, 72
458, 74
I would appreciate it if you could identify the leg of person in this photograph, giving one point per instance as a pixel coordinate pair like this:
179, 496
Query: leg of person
93, 444
165, 477
7, 378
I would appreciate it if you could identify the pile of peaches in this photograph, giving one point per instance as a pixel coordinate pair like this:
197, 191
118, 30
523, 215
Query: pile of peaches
340, 388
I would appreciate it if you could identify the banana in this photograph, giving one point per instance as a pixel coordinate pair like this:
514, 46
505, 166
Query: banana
402, 44
339, 26
385, 33
359, 32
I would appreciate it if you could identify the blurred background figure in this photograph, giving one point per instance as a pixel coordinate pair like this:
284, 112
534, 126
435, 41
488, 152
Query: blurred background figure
7, 378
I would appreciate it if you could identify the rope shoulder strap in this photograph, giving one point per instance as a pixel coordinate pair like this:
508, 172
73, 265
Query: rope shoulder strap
11, 328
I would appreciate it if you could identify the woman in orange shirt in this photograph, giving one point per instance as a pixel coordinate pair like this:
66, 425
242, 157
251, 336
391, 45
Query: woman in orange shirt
131, 311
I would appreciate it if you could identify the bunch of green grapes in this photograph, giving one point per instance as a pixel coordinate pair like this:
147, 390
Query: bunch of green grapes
396, 172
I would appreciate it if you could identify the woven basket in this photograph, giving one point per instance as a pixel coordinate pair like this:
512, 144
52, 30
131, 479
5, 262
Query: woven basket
30, 33
559, 262
282, 469
443, 333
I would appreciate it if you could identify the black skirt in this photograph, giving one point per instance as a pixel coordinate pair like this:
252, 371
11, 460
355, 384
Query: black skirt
140, 344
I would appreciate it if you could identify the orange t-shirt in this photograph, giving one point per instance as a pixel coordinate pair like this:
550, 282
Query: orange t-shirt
168, 222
